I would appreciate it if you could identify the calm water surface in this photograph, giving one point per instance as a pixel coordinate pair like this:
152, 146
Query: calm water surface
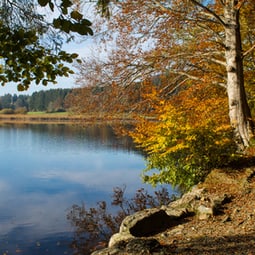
45, 169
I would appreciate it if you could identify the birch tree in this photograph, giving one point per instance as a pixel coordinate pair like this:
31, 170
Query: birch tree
194, 41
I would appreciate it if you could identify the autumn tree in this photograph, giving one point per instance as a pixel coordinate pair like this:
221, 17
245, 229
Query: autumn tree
193, 40
190, 136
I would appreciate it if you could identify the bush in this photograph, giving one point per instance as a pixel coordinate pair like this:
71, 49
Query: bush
188, 162
21, 110
7, 111
188, 137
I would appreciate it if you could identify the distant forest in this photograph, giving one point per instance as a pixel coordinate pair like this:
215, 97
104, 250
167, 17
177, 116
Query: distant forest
52, 100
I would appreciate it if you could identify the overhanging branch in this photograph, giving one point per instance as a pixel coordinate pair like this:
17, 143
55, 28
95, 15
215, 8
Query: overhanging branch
209, 11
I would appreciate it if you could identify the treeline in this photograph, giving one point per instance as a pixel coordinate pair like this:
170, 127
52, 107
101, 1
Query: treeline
52, 100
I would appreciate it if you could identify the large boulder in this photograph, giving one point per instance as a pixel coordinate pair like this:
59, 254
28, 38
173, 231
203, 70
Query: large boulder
197, 202
143, 225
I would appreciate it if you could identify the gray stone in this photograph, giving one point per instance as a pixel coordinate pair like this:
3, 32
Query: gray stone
147, 222
137, 246
137, 229
204, 213
118, 237
188, 202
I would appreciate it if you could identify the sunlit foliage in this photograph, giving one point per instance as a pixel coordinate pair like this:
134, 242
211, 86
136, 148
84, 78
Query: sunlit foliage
189, 136
198, 108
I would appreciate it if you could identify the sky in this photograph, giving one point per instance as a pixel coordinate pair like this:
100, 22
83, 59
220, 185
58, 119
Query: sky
84, 49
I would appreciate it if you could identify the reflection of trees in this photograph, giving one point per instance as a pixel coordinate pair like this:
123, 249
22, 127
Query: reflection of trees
94, 226
97, 135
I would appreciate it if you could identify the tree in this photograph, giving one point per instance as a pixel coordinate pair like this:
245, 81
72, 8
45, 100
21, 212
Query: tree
31, 42
189, 136
193, 41
239, 112
6, 101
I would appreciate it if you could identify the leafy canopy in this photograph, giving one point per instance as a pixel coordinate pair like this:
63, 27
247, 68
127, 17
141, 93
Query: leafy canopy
30, 49
185, 41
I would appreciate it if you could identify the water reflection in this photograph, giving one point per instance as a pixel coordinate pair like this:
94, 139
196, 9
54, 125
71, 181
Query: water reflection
91, 136
45, 169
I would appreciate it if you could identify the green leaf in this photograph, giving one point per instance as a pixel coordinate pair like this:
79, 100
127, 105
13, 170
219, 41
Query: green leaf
66, 3
51, 6
86, 22
64, 10
76, 15
45, 82
74, 55
66, 25
81, 29
57, 23
20, 87
43, 2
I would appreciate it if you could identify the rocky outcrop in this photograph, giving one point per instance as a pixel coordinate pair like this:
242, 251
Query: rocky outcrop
136, 231
135, 246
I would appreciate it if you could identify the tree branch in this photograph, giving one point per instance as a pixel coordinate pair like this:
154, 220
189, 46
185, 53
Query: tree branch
248, 51
240, 4
209, 11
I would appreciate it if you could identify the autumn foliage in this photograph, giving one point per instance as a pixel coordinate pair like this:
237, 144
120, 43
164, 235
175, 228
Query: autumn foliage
177, 70
188, 137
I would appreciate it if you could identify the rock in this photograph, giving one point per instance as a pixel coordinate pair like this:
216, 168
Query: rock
142, 246
197, 201
188, 202
147, 222
204, 213
136, 231
175, 212
118, 237
176, 230
137, 246
108, 251
144, 223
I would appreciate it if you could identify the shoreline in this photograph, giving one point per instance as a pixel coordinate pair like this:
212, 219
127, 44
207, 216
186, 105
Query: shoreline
53, 118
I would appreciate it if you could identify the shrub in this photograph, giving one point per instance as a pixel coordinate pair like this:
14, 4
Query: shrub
20, 110
188, 137
7, 111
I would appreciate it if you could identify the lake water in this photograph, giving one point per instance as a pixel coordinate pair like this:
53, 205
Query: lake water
45, 169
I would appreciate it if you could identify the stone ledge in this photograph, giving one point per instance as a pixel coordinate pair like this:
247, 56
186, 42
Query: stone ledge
141, 226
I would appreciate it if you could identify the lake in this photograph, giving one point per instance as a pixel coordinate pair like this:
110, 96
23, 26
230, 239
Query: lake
45, 169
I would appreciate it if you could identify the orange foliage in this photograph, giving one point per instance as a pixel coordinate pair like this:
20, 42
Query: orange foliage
190, 135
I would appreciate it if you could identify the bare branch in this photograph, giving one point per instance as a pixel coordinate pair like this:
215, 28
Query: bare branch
217, 61
240, 4
162, 7
209, 11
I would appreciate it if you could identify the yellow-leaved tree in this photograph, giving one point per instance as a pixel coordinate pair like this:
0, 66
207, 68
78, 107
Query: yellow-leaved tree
189, 135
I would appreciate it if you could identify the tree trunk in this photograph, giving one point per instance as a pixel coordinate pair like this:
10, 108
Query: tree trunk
239, 111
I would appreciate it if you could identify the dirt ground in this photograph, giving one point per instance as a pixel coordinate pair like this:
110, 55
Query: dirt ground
232, 231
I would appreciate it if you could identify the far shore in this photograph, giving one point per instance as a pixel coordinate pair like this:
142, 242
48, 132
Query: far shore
60, 118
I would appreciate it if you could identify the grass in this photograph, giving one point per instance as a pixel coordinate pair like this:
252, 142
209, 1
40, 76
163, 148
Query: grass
49, 114
60, 118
